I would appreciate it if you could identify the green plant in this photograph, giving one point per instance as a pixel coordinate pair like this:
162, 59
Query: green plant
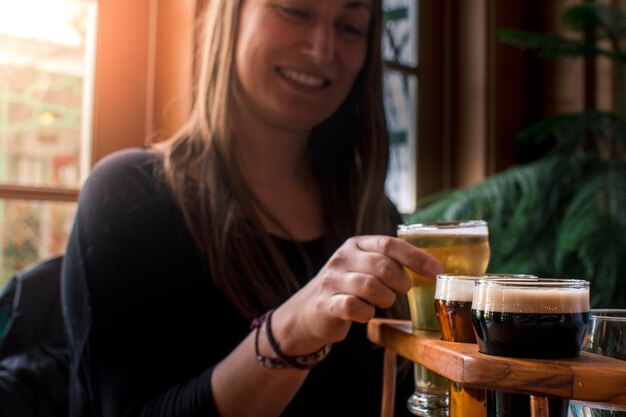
564, 214
602, 31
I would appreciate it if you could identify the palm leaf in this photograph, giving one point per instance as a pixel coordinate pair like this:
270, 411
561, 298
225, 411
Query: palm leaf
592, 233
610, 21
549, 45
602, 133
597, 19
542, 220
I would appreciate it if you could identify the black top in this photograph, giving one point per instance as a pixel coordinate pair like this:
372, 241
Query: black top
146, 325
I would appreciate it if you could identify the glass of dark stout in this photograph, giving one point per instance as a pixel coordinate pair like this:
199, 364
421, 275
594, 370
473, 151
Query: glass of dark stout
453, 303
537, 318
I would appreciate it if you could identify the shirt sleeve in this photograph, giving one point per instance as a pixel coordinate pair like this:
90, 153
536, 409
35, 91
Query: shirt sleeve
126, 298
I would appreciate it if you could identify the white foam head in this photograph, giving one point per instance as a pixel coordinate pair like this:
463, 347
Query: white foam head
469, 227
544, 296
455, 287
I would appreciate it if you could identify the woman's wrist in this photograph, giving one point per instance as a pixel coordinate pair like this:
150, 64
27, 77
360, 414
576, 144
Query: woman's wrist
280, 358
295, 333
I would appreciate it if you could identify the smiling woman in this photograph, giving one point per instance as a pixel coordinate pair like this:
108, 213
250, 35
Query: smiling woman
249, 249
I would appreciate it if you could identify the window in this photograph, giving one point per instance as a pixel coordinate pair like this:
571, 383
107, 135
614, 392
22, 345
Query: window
400, 99
46, 96
61, 109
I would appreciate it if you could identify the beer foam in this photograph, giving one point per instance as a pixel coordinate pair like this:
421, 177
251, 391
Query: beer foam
459, 288
449, 229
531, 300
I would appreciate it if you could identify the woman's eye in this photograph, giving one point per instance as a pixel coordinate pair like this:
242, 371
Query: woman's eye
352, 30
293, 12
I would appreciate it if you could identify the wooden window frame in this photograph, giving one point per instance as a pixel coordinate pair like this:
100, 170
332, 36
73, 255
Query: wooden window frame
142, 84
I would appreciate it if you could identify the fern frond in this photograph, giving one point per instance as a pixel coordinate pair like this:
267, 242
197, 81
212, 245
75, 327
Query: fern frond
549, 45
561, 216
591, 242
609, 20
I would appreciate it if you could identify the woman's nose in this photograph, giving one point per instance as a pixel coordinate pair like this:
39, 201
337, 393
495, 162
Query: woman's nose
320, 45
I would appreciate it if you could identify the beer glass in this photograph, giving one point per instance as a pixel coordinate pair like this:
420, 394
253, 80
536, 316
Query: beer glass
453, 303
463, 248
606, 336
535, 318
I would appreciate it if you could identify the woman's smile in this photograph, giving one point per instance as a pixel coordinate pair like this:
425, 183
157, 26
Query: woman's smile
303, 78
296, 61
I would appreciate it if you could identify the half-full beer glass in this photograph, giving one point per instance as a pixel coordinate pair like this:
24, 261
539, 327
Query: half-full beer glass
535, 318
463, 248
453, 304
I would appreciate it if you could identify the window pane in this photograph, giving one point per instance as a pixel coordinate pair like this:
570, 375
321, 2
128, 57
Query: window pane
31, 231
400, 91
400, 37
46, 74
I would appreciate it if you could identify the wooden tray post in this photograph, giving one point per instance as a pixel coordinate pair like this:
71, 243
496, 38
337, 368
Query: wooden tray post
539, 406
389, 384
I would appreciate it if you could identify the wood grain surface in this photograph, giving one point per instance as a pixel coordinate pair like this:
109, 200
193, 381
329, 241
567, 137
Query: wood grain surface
590, 377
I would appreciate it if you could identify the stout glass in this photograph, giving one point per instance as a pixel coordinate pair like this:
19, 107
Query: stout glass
463, 248
534, 318
453, 304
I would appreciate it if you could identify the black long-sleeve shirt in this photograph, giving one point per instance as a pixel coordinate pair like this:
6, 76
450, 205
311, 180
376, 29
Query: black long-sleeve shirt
146, 325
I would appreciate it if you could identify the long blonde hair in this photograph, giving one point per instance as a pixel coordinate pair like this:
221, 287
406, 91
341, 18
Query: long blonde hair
349, 154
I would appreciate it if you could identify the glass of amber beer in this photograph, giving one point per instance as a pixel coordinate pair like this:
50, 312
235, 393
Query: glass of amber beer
453, 304
463, 248
536, 318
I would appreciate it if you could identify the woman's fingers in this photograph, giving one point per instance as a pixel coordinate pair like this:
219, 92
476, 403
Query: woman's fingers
364, 273
370, 269
376, 266
350, 308
402, 252
372, 288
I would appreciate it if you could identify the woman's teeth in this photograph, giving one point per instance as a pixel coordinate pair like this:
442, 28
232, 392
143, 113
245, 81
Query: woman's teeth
302, 78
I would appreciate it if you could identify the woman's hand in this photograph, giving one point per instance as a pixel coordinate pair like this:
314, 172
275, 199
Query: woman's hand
364, 273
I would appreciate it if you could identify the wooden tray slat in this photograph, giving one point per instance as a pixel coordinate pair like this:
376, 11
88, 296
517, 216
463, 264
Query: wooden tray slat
590, 377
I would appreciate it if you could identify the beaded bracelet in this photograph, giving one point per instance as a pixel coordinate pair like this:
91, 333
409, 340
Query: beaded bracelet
266, 361
281, 360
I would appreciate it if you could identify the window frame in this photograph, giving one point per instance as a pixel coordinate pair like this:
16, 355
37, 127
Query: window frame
139, 89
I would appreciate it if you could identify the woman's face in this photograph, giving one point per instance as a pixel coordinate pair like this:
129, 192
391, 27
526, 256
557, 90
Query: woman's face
296, 60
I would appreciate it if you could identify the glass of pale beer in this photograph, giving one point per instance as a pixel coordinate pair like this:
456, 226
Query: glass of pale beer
462, 247
537, 318
453, 304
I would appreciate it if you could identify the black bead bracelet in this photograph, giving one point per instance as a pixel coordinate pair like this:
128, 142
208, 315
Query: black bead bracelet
281, 360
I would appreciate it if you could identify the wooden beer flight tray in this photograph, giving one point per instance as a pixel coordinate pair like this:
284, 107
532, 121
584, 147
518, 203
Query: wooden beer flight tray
590, 377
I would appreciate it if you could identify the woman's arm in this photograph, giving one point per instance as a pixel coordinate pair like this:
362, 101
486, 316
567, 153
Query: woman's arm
364, 273
151, 336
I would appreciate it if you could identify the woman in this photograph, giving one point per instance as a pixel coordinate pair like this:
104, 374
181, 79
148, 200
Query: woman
268, 208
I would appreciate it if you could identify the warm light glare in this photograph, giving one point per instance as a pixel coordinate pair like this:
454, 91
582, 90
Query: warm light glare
43, 20
46, 118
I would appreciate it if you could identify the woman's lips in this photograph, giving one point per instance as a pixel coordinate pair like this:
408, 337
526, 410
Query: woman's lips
302, 78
